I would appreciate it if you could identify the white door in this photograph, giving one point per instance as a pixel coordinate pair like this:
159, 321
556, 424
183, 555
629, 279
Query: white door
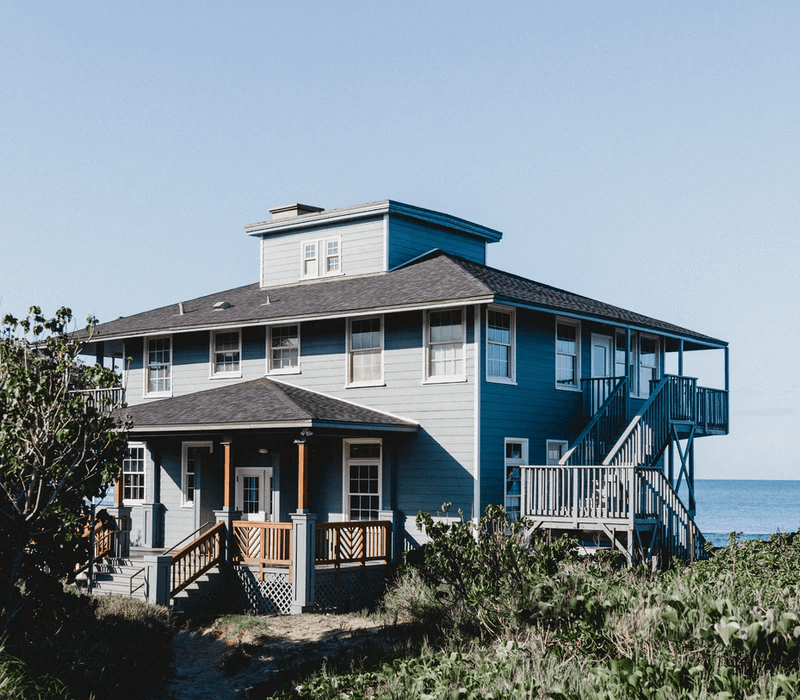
254, 492
602, 368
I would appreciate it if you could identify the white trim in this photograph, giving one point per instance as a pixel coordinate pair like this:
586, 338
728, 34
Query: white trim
476, 445
347, 461
512, 347
185, 502
349, 383
385, 242
563, 443
611, 346
146, 361
577, 325
136, 501
426, 355
289, 370
320, 258
507, 461
265, 493
212, 355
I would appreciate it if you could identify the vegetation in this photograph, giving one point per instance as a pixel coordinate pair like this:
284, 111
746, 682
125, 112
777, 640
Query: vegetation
504, 621
56, 451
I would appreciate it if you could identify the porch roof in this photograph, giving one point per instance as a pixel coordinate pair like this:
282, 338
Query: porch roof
258, 404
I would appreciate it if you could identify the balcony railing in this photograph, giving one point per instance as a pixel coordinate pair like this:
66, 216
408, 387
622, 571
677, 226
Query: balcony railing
353, 542
712, 409
106, 399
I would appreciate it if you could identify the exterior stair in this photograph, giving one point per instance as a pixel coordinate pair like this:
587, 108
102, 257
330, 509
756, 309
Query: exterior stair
201, 593
119, 576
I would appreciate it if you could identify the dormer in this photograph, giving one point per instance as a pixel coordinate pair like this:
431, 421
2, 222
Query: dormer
303, 243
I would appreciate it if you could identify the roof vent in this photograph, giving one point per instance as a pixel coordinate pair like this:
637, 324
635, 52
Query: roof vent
292, 210
222, 305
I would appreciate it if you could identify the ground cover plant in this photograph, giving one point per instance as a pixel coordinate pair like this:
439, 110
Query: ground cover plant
505, 620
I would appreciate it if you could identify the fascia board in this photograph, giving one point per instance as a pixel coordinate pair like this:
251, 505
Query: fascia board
281, 425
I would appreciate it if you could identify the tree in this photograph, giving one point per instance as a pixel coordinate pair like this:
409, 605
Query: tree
56, 451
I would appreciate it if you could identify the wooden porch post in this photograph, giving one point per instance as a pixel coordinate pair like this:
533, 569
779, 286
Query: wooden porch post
118, 493
302, 470
228, 494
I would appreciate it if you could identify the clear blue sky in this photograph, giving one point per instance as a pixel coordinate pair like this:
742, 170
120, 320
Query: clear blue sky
641, 154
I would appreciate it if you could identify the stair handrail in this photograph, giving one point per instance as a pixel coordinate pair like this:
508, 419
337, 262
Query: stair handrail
197, 557
189, 536
596, 418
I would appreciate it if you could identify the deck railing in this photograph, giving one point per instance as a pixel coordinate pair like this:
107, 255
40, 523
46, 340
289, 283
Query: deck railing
265, 544
196, 558
712, 409
353, 542
603, 429
103, 399
595, 391
103, 542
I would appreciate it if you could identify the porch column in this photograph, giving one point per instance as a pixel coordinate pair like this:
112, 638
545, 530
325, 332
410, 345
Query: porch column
303, 580
394, 548
628, 374
157, 582
680, 358
230, 485
302, 470
228, 513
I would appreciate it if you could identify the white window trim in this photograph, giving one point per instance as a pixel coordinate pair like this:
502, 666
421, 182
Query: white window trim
524, 460
266, 513
290, 370
146, 359
212, 373
512, 359
577, 325
136, 501
426, 355
349, 383
347, 461
186, 503
321, 258
563, 443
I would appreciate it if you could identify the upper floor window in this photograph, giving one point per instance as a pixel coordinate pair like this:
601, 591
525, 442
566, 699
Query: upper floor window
226, 353
444, 345
321, 258
568, 343
158, 365
365, 351
500, 345
284, 349
133, 474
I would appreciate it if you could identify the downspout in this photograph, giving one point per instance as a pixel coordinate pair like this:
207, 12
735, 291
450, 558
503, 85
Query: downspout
476, 457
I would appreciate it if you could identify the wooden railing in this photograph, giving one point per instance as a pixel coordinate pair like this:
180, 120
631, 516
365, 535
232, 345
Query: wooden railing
103, 399
603, 429
359, 542
595, 391
657, 500
712, 409
265, 544
196, 558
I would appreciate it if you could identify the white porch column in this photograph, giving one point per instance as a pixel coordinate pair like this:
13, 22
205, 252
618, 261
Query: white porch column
392, 516
157, 583
303, 544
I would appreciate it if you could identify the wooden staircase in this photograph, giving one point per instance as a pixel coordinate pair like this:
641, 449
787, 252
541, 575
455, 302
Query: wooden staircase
610, 488
123, 576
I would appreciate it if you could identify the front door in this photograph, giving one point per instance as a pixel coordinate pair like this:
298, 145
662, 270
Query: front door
602, 368
254, 492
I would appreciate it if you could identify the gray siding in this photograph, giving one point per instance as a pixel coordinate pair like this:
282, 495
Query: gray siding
410, 239
362, 251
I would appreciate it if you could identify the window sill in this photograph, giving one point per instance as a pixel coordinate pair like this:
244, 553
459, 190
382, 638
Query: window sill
575, 389
274, 372
501, 380
445, 380
359, 385
157, 395
225, 375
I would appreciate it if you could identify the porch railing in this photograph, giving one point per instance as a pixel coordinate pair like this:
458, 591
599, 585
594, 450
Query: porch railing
712, 409
353, 542
191, 562
603, 429
595, 391
103, 542
106, 399
265, 544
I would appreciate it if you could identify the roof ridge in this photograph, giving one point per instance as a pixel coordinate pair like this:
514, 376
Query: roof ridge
287, 400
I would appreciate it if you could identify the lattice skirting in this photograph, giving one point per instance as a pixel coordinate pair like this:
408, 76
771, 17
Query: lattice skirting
273, 595
355, 589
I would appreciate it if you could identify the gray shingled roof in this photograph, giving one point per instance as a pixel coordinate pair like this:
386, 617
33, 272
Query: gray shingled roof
435, 278
260, 403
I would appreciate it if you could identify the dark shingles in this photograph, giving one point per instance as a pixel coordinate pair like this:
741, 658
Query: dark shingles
256, 402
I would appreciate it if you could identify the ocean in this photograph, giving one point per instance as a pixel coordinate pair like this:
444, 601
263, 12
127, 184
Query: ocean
756, 508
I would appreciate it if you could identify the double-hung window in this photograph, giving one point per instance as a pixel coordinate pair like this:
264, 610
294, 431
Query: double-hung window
365, 351
516, 456
133, 473
321, 257
444, 346
158, 365
500, 345
284, 349
226, 353
568, 344
362, 479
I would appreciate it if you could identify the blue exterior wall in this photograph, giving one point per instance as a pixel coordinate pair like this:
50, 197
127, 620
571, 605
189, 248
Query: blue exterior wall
410, 239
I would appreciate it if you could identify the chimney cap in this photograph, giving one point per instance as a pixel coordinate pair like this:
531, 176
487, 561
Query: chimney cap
291, 210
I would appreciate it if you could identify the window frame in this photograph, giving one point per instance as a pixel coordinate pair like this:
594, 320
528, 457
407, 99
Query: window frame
429, 378
213, 372
640, 393
186, 502
282, 370
321, 257
564, 444
147, 366
348, 461
143, 473
511, 378
349, 383
512, 462
577, 325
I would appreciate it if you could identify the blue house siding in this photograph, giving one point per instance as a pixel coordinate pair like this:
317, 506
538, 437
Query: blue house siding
410, 239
